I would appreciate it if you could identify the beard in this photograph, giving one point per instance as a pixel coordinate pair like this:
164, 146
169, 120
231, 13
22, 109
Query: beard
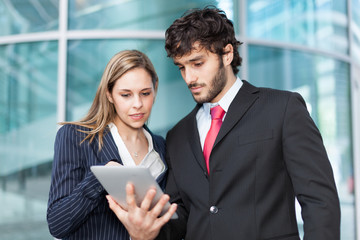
216, 85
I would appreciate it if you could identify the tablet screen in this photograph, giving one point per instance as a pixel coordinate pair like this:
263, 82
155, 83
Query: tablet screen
115, 178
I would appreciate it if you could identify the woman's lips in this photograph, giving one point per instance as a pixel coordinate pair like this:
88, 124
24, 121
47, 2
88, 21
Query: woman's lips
137, 116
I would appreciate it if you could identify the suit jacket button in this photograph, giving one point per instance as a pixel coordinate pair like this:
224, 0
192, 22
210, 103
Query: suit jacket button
214, 209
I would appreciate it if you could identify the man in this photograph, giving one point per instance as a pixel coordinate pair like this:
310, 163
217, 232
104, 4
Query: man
241, 182
268, 149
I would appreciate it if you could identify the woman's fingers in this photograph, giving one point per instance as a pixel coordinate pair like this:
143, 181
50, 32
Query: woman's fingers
120, 213
141, 221
157, 209
149, 197
113, 163
166, 217
130, 196
145, 206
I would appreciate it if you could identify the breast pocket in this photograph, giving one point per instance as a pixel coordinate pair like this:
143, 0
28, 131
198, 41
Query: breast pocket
255, 137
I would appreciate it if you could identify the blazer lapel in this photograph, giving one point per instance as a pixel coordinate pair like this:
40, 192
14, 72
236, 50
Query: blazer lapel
109, 150
244, 99
240, 105
194, 139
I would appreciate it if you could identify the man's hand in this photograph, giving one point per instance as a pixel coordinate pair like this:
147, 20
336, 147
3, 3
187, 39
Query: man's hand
141, 222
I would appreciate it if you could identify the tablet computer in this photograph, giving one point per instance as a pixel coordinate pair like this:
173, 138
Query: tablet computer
115, 178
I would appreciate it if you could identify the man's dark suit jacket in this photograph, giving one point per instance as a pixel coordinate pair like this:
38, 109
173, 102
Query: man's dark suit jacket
77, 207
268, 152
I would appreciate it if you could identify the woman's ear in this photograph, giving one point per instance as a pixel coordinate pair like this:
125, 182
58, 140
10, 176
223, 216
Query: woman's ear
109, 97
155, 90
156, 87
228, 54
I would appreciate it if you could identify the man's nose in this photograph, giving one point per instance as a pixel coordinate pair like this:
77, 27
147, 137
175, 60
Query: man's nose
189, 76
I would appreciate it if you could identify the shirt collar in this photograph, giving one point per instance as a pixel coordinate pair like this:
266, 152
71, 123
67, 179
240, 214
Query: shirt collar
114, 132
226, 100
149, 139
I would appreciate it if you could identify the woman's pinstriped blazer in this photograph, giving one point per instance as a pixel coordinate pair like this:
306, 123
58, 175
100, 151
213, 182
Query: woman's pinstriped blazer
77, 207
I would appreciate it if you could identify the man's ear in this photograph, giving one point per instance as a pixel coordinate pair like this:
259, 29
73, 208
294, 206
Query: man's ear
109, 97
228, 54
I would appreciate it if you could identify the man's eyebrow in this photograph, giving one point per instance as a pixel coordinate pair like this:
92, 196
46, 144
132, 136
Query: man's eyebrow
177, 63
196, 58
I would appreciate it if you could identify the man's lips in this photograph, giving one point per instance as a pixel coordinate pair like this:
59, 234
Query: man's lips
195, 88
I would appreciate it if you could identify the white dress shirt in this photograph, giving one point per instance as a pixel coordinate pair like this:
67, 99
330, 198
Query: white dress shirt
203, 116
152, 160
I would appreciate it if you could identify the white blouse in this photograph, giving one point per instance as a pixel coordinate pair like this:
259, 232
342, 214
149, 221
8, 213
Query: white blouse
152, 159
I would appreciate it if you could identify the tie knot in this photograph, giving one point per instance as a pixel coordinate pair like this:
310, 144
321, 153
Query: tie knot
217, 112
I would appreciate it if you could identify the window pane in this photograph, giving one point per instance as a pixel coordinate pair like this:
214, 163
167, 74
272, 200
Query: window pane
19, 16
355, 30
320, 24
86, 63
27, 129
325, 85
134, 15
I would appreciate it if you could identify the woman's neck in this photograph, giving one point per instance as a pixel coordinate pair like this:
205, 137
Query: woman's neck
128, 133
134, 140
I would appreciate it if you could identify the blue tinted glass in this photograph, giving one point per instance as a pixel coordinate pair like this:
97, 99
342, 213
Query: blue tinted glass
355, 48
320, 24
19, 16
28, 106
134, 15
87, 61
325, 85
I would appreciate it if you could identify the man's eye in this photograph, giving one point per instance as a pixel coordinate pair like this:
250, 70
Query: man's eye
198, 64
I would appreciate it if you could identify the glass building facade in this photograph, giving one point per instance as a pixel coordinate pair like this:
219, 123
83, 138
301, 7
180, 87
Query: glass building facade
53, 53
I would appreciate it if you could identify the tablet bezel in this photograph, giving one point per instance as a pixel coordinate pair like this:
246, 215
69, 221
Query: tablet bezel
115, 178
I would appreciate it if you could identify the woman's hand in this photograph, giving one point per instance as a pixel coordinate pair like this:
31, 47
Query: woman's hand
142, 222
113, 163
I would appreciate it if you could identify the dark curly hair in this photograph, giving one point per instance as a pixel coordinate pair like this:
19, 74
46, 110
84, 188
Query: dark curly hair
209, 27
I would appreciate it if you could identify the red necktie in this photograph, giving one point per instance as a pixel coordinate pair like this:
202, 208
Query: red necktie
217, 114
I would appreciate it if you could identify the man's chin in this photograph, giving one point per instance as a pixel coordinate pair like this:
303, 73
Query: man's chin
199, 99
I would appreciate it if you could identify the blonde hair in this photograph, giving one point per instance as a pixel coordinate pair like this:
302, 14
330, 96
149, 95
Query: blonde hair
102, 111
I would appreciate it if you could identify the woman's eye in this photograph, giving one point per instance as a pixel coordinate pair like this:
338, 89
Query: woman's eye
125, 95
146, 93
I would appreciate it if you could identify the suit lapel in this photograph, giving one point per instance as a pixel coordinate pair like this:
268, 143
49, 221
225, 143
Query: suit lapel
244, 99
194, 140
109, 150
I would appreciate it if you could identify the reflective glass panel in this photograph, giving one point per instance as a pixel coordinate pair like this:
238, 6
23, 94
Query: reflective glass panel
135, 15
321, 24
87, 60
28, 101
355, 31
19, 16
325, 85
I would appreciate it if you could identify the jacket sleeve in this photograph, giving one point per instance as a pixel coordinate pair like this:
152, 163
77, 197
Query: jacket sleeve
311, 173
74, 190
176, 228
160, 148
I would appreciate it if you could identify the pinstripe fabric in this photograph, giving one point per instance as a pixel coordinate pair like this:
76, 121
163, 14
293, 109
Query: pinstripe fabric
77, 207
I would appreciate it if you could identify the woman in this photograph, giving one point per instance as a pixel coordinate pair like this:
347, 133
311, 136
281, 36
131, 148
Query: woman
113, 132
